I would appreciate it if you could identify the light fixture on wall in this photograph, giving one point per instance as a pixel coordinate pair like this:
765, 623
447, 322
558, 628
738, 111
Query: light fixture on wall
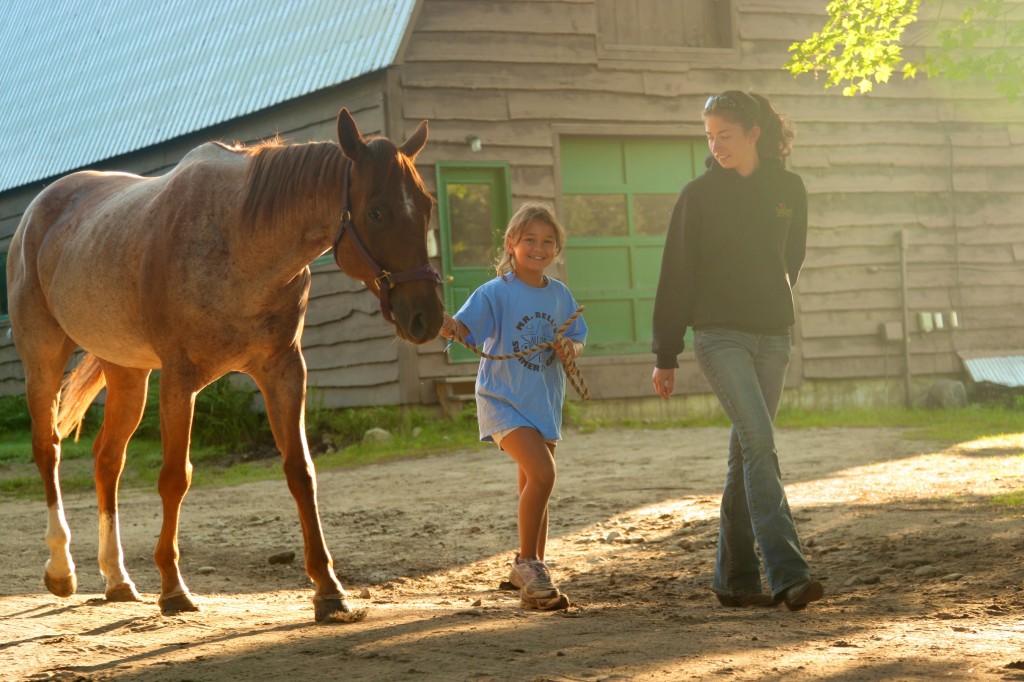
474, 143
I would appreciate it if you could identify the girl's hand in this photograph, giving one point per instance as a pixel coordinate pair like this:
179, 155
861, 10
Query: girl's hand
568, 349
664, 382
450, 327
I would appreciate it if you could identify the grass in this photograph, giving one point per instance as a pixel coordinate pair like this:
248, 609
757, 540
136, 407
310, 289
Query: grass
947, 427
335, 438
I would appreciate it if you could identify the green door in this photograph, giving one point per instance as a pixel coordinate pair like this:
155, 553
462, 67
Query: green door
617, 198
473, 207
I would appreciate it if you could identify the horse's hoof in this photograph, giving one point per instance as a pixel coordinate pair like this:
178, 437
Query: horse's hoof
336, 610
123, 592
179, 603
62, 587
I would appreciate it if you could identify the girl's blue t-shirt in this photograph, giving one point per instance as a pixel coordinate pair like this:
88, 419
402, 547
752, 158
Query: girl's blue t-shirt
507, 317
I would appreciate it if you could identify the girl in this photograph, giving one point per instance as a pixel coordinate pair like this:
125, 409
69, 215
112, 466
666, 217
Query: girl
519, 401
733, 253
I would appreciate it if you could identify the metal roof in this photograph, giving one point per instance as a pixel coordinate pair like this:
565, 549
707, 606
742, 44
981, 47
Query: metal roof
1004, 368
82, 81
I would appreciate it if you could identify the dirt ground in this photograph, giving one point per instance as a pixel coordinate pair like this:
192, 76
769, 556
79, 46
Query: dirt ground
923, 571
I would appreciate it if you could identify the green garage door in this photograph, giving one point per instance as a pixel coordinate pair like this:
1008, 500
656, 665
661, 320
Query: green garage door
617, 199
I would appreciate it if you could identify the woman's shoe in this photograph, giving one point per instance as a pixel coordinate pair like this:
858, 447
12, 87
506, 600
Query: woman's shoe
800, 595
740, 601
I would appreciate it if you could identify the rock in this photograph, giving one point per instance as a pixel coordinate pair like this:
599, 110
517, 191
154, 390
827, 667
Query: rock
951, 577
613, 536
376, 435
365, 593
206, 570
946, 394
926, 571
281, 558
855, 580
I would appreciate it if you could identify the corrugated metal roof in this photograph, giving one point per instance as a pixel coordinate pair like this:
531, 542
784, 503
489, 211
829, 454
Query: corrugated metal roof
82, 81
1002, 369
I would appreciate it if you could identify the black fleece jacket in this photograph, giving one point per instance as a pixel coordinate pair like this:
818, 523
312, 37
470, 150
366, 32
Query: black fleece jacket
732, 256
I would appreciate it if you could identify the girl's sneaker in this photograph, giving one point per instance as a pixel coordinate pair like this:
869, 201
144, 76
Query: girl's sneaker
536, 590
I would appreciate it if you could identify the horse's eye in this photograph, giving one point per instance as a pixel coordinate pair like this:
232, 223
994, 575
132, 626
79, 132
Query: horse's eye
375, 214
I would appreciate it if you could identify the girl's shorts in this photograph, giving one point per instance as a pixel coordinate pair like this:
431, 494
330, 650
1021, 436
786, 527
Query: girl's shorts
499, 436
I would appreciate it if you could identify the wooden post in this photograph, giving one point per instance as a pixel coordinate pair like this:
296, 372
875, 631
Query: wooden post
908, 396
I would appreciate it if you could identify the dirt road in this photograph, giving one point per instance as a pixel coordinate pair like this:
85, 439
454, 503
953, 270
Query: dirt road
922, 566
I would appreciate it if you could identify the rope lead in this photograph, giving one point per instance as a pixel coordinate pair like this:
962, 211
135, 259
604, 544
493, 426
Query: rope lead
572, 372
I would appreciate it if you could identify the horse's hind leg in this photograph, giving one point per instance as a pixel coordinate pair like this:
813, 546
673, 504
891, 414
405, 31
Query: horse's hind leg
126, 399
44, 363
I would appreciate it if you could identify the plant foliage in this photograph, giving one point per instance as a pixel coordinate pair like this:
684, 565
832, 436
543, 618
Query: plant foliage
861, 45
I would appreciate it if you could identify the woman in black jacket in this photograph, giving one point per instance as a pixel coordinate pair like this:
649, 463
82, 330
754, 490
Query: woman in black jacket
733, 253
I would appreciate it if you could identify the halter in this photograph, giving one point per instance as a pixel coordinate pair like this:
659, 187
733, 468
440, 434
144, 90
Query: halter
380, 275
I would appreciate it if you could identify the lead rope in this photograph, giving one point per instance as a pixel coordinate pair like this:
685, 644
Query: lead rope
572, 372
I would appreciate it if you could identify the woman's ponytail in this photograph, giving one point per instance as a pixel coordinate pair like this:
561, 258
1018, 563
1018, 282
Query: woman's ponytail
776, 139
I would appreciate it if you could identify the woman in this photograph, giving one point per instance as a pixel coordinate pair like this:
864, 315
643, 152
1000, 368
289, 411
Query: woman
733, 253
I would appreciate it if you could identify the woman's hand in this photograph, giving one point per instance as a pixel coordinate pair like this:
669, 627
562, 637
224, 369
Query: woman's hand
664, 382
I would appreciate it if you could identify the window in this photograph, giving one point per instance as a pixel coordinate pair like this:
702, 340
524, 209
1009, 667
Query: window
662, 29
617, 199
473, 207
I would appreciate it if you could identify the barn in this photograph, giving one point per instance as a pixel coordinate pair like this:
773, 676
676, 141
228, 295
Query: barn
915, 260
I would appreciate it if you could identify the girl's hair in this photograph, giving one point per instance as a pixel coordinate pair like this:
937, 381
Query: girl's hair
749, 110
526, 214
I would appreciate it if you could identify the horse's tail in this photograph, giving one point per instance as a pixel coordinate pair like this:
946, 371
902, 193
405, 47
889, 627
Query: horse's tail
77, 392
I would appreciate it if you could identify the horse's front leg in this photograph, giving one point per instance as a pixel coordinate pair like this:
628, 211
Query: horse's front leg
177, 403
126, 400
282, 380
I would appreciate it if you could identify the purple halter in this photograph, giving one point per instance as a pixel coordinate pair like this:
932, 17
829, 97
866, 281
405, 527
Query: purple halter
384, 280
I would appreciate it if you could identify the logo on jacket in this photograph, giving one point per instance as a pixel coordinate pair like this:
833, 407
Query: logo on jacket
782, 212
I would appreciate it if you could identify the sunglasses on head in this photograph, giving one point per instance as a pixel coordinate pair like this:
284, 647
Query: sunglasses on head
721, 102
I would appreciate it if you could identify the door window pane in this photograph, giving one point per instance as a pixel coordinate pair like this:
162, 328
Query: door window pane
470, 209
596, 215
651, 213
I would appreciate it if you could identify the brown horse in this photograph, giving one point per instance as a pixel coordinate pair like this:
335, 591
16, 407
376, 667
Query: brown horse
197, 273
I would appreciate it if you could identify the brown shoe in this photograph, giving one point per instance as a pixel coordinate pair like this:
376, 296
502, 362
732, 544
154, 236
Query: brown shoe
800, 595
741, 601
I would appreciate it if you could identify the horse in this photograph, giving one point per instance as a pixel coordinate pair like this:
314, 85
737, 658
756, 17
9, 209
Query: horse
196, 273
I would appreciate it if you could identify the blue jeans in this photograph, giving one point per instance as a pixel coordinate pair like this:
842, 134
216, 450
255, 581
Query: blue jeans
747, 373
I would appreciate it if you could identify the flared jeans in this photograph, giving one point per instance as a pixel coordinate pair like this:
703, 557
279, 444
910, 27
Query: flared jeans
747, 373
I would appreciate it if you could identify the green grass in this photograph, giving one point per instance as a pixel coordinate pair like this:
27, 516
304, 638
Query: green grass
1014, 500
335, 439
948, 427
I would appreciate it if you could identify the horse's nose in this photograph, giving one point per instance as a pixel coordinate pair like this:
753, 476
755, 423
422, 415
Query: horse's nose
418, 328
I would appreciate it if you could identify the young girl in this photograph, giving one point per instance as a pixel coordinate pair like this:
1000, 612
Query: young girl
733, 253
519, 401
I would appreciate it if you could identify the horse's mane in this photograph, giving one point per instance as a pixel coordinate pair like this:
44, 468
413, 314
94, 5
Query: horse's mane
284, 180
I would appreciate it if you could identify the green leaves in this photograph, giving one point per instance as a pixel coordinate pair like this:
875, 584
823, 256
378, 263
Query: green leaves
858, 46
861, 45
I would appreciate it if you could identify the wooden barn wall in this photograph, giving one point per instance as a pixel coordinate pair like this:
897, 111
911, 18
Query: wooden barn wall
945, 163
350, 352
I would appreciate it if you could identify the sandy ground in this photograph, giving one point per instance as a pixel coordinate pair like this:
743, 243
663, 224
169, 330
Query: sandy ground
923, 572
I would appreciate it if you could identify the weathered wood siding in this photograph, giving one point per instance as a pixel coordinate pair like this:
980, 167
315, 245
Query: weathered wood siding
350, 350
943, 162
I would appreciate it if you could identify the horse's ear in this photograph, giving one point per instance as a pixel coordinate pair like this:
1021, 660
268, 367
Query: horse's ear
414, 144
351, 140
